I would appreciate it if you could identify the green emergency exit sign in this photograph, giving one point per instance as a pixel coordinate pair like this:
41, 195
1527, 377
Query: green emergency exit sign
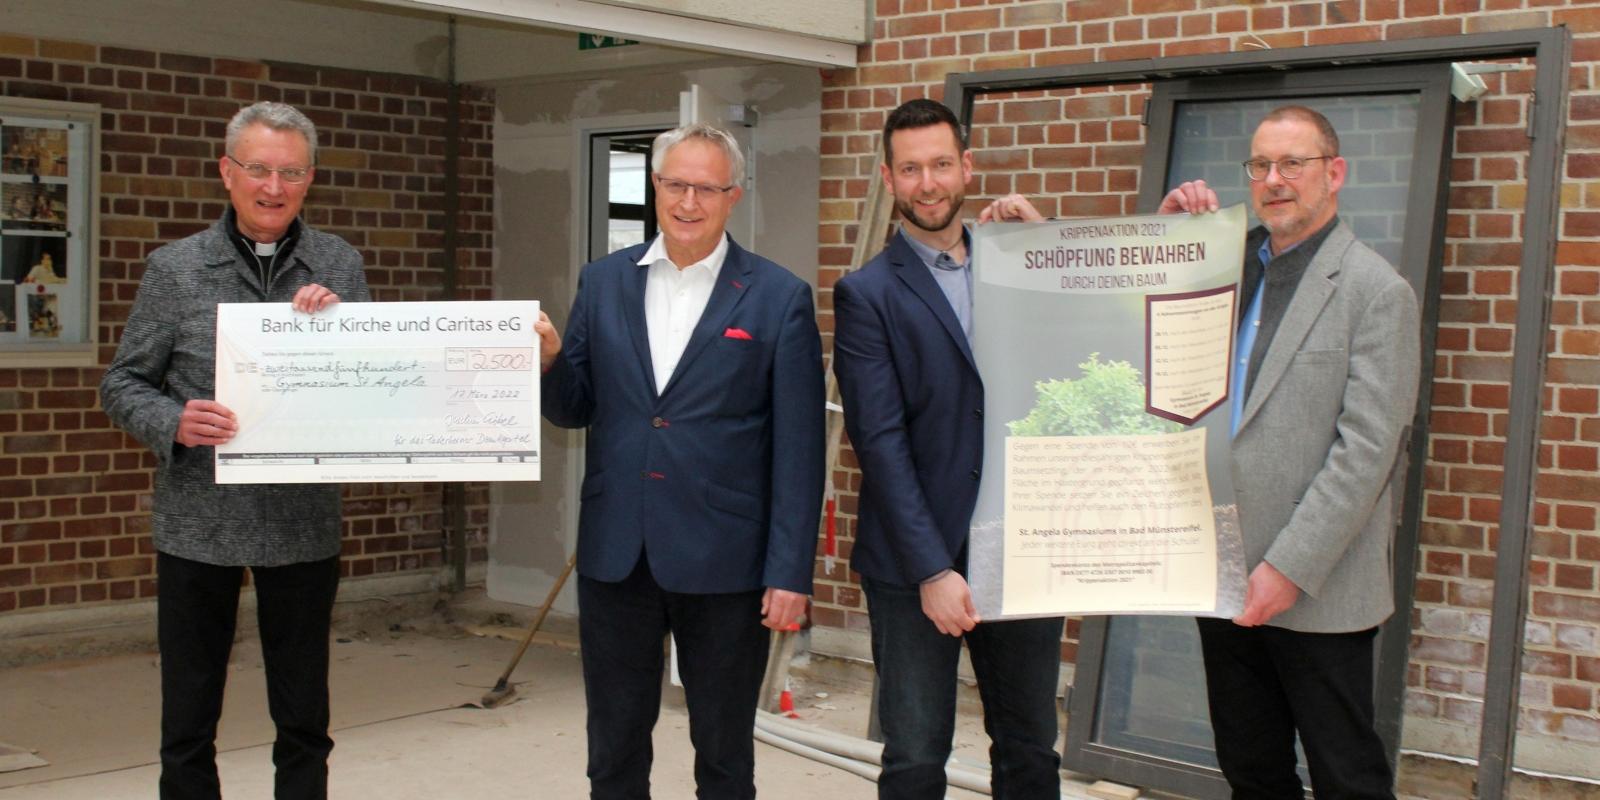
598, 41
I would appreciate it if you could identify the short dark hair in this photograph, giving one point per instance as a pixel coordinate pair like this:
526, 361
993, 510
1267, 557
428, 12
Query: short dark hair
1330, 137
921, 113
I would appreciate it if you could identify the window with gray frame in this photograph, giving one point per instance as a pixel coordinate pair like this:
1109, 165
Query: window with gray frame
48, 169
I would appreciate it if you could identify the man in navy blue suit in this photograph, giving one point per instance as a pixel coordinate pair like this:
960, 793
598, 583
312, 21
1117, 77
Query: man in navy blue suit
697, 368
913, 404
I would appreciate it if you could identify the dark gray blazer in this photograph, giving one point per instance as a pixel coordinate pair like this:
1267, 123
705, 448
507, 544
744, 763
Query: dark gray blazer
1320, 434
168, 356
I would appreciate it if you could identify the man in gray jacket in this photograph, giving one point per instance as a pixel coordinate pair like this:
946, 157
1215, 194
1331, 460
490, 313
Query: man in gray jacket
1324, 383
159, 388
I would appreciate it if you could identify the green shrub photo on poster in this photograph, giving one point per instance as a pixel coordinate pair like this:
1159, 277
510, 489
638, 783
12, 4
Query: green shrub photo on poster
1109, 400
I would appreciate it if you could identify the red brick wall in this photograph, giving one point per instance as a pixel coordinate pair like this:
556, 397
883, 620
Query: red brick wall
74, 490
1078, 154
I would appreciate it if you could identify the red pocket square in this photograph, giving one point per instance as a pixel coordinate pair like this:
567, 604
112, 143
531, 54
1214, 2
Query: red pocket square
736, 333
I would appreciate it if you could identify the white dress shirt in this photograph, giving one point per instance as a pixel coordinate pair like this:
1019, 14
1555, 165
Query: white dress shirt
674, 299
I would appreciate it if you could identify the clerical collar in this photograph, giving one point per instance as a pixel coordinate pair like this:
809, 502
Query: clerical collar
251, 247
267, 258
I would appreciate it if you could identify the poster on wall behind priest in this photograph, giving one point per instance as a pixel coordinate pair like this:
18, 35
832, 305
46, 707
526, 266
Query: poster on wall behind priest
1106, 348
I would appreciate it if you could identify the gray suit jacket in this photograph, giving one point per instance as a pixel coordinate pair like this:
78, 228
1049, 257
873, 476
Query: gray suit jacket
1320, 436
168, 357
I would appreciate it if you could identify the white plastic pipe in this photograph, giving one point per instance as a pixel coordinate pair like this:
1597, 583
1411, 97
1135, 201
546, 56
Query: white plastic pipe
855, 755
868, 771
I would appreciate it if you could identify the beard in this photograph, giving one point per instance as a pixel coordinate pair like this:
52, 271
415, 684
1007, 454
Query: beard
1297, 223
912, 213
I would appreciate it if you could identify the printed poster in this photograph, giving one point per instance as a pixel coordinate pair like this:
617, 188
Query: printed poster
1106, 348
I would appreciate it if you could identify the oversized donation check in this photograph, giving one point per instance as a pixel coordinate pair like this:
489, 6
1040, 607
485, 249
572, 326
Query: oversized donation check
379, 392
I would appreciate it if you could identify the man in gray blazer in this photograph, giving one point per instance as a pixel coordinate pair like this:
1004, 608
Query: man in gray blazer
1324, 384
160, 389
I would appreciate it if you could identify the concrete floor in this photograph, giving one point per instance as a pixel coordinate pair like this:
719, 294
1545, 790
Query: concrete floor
401, 730
405, 727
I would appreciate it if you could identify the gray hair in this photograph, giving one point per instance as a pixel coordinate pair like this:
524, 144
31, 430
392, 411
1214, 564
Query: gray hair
278, 117
706, 133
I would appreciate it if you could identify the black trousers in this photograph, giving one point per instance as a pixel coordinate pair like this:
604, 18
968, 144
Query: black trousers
722, 654
197, 607
1265, 683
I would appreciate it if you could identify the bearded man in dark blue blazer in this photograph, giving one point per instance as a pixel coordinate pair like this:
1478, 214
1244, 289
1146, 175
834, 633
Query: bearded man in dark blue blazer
697, 368
913, 403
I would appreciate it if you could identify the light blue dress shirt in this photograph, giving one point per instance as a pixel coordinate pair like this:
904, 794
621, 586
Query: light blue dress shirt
955, 280
1245, 343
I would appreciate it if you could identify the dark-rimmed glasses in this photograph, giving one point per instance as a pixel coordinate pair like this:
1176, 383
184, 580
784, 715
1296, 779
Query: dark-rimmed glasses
1288, 168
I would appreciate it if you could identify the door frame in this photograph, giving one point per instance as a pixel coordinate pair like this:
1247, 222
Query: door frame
584, 130
1550, 52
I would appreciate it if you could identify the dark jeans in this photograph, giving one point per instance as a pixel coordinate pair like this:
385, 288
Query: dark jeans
722, 654
1017, 665
1265, 683
197, 606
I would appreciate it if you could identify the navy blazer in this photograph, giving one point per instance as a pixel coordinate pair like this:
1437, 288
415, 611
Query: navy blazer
719, 477
913, 406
